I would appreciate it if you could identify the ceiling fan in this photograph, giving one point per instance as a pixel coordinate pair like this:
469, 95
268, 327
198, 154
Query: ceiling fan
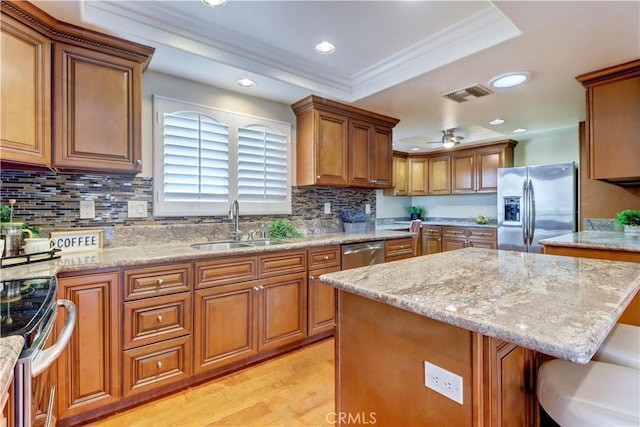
449, 139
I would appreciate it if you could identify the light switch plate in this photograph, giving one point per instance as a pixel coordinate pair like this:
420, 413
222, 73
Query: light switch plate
136, 209
87, 209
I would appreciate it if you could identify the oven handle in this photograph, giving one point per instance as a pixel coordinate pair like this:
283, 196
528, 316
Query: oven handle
45, 358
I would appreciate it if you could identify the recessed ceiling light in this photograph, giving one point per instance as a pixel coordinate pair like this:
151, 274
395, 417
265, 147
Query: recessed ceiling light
415, 149
519, 130
496, 122
510, 79
246, 82
214, 3
325, 48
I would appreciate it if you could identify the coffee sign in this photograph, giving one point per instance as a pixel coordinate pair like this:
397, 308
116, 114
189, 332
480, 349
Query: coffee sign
78, 241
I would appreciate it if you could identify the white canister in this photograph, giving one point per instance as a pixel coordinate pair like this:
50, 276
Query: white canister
37, 245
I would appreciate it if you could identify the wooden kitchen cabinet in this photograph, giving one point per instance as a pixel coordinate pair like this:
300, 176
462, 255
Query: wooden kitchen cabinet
89, 369
339, 145
397, 249
400, 182
613, 122
94, 87
418, 176
463, 237
431, 239
97, 111
439, 175
476, 170
509, 383
321, 298
25, 95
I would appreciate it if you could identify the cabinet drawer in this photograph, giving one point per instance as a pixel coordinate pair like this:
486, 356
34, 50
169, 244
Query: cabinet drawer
456, 232
398, 249
155, 319
280, 263
155, 365
431, 231
482, 233
226, 271
324, 257
154, 281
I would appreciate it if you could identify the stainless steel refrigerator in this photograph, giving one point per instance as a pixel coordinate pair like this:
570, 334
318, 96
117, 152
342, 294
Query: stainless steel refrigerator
535, 203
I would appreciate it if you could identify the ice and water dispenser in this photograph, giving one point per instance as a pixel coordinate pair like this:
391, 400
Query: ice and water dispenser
512, 209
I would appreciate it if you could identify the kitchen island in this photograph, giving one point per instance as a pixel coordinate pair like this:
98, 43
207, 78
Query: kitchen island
487, 316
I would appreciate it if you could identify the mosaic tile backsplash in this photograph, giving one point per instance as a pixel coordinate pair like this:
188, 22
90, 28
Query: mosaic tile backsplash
52, 201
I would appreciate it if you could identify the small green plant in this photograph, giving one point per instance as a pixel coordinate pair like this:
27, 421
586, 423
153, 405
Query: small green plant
418, 211
628, 217
6, 216
282, 229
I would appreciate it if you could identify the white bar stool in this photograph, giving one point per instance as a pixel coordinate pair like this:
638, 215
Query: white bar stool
592, 394
621, 347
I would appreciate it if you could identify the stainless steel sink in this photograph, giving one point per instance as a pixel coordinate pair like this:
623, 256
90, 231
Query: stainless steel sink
218, 246
265, 242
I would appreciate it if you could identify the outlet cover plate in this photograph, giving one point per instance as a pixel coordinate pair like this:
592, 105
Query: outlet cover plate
137, 209
87, 209
442, 381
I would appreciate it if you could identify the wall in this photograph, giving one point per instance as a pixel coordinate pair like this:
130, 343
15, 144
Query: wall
554, 146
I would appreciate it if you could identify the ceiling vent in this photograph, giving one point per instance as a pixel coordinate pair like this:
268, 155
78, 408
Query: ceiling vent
463, 95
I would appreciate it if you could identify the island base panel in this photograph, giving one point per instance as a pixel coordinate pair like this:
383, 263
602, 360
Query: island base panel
380, 355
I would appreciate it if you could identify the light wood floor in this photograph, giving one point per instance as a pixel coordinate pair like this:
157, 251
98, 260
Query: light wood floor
296, 389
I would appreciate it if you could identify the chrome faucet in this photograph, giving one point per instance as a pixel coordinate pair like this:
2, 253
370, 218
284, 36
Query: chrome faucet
234, 214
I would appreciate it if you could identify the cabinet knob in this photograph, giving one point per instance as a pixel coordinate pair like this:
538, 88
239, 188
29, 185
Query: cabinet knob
160, 282
326, 257
159, 364
159, 318
471, 244
261, 287
313, 277
318, 177
138, 162
255, 288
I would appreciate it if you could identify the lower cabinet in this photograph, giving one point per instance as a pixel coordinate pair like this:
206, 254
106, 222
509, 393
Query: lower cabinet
468, 237
322, 302
509, 383
89, 368
431, 239
397, 249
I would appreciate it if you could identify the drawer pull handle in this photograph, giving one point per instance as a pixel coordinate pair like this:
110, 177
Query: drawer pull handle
159, 318
326, 257
160, 282
159, 364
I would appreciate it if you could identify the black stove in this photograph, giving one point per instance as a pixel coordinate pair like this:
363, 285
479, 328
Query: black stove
26, 305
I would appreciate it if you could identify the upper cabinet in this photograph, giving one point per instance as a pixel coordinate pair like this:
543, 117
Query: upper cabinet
613, 120
400, 181
94, 86
439, 168
342, 146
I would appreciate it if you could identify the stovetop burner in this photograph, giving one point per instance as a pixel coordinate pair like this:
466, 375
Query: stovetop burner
25, 304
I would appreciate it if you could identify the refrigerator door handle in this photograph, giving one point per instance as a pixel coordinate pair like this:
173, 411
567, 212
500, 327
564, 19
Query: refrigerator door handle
525, 223
532, 213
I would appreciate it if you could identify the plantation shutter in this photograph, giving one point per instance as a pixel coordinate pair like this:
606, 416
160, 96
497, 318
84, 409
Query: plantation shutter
195, 158
262, 165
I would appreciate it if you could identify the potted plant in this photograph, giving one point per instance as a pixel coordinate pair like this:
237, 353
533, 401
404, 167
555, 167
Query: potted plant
630, 220
354, 221
416, 212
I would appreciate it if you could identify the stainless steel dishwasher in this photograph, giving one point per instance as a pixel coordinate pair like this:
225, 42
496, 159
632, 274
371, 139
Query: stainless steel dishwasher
362, 254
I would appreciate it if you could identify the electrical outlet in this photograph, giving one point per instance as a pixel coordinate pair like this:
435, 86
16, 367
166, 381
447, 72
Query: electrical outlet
327, 208
442, 381
367, 208
137, 209
87, 209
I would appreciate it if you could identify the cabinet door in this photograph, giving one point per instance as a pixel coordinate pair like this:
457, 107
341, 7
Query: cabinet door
454, 238
382, 158
400, 178
487, 163
614, 124
418, 177
330, 154
440, 175
97, 111
397, 249
89, 368
510, 388
360, 153
25, 100
225, 325
463, 172
322, 302
283, 310
431, 241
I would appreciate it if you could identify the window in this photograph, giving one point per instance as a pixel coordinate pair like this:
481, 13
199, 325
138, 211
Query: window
204, 158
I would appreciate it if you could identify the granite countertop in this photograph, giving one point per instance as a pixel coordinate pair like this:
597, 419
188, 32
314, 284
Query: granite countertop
404, 225
10, 348
607, 240
156, 252
557, 305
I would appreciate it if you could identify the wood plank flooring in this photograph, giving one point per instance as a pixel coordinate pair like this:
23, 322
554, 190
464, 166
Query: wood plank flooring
296, 389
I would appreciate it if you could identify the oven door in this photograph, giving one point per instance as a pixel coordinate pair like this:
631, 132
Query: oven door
32, 372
